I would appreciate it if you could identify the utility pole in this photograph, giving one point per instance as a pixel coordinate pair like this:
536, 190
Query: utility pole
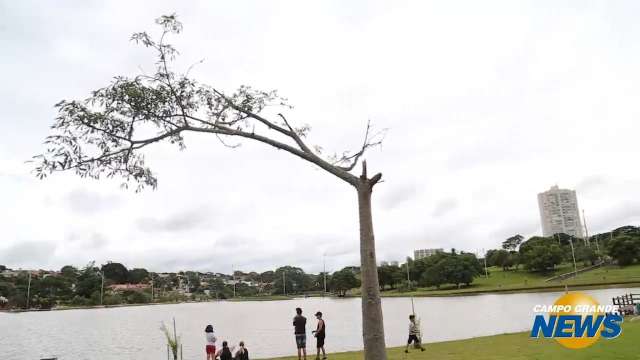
324, 270
233, 274
29, 290
408, 277
598, 248
151, 287
284, 283
101, 287
586, 230
575, 267
486, 273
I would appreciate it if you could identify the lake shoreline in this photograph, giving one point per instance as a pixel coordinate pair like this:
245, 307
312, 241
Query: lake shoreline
93, 307
506, 291
508, 346
517, 290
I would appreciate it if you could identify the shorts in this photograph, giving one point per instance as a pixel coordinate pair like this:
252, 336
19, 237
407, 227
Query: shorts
413, 338
319, 341
211, 349
301, 341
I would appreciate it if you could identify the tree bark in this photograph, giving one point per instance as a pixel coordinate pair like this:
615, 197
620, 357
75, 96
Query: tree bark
372, 321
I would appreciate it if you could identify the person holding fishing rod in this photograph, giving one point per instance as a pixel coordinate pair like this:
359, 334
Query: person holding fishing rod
414, 331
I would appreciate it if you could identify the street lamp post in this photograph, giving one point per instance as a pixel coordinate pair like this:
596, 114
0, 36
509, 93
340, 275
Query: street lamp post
486, 272
598, 248
586, 230
408, 277
573, 253
233, 274
29, 290
101, 288
324, 271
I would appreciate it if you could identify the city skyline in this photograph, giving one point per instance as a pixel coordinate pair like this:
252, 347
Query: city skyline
479, 119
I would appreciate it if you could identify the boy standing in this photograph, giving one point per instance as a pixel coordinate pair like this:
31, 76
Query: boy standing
320, 334
414, 334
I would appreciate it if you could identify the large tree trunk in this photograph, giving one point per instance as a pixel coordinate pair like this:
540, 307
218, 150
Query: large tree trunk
372, 322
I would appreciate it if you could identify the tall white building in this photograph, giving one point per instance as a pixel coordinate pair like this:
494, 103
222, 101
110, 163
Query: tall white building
559, 212
423, 253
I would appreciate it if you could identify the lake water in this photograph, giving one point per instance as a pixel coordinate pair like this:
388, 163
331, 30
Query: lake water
265, 326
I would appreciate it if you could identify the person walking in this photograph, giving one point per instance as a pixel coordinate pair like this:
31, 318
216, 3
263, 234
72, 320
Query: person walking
414, 334
300, 332
210, 347
320, 333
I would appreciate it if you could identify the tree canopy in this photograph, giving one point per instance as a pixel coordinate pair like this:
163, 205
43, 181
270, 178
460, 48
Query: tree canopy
115, 272
105, 134
138, 275
542, 256
343, 281
512, 243
625, 249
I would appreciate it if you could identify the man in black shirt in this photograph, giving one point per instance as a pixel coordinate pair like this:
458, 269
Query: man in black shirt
299, 324
320, 334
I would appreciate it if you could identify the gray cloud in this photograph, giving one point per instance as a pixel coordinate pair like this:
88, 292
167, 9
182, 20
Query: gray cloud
178, 222
624, 214
84, 202
526, 227
233, 241
398, 195
34, 253
93, 240
444, 207
482, 126
590, 183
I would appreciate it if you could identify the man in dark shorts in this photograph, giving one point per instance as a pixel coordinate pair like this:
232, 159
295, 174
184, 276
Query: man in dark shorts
320, 333
414, 334
300, 331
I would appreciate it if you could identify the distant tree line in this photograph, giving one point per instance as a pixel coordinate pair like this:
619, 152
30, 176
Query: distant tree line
92, 285
71, 286
436, 270
542, 254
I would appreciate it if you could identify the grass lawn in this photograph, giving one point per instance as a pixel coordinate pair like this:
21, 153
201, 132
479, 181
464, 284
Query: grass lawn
516, 346
522, 281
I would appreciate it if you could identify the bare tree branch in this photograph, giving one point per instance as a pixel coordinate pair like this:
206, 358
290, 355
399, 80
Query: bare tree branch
366, 144
295, 136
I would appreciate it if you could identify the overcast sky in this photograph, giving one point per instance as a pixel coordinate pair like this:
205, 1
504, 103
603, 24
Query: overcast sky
487, 104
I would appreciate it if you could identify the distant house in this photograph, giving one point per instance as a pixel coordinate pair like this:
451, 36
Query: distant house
11, 273
125, 287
